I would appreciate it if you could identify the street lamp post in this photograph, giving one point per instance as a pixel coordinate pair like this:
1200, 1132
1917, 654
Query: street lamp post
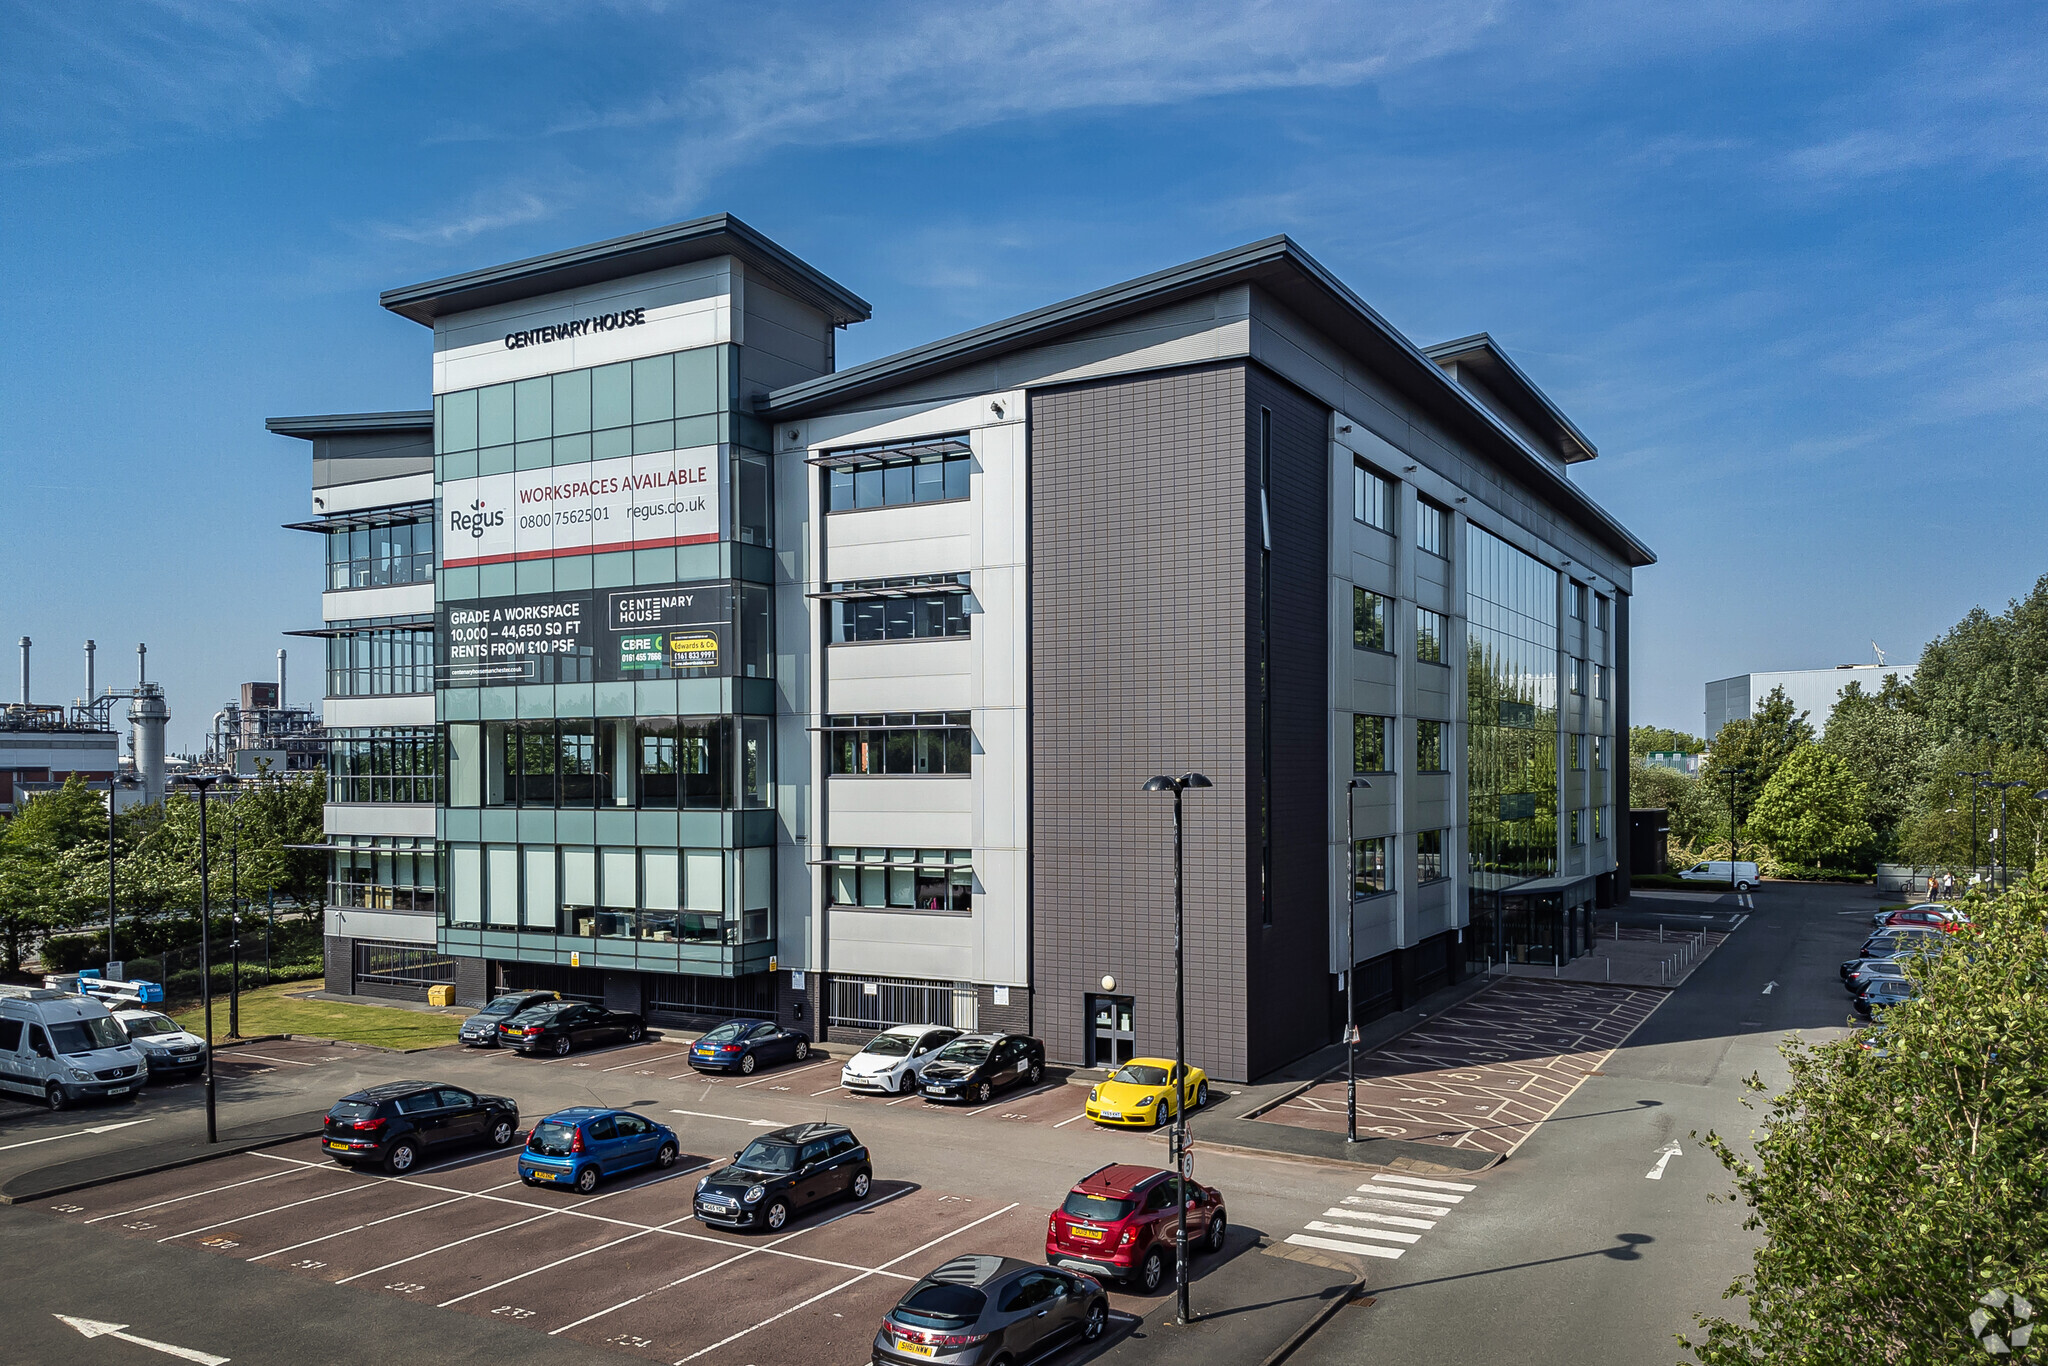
2041, 796
1184, 1168
204, 782
2004, 835
1973, 773
1734, 823
1351, 962
113, 781
235, 928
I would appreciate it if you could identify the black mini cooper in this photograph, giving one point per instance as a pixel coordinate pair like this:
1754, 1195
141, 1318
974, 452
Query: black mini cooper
782, 1172
975, 1066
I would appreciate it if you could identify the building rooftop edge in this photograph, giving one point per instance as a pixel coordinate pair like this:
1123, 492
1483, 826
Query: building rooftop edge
341, 424
1538, 405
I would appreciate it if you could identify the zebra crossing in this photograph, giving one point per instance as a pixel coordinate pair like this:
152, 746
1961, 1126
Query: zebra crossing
1387, 1216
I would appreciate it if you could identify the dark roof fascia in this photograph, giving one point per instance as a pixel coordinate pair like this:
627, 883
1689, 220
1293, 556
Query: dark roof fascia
1277, 265
1534, 406
349, 424
634, 254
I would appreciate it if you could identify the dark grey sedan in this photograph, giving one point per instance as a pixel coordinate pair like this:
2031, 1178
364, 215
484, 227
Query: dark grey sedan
984, 1310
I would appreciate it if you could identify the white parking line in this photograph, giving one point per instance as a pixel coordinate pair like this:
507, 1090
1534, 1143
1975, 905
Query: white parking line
1357, 1249
1381, 1234
229, 1055
730, 1119
274, 1209
550, 1266
742, 1256
777, 1076
342, 1233
1424, 1182
1065, 1122
827, 1091
986, 1109
518, 1223
181, 1199
73, 1133
1395, 1220
843, 1285
642, 1062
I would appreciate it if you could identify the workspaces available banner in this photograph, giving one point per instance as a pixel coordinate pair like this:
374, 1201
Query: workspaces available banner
632, 502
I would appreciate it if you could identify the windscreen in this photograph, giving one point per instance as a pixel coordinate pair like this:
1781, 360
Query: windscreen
1133, 1075
140, 1026
551, 1139
768, 1157
1100, 1209
504, 1005
938, 1304
83, 1036
973, 1052
888, 1046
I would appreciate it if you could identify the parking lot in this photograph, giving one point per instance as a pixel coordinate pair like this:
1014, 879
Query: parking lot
1486, 1072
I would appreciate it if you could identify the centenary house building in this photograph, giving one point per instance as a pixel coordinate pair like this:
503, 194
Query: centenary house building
672, 667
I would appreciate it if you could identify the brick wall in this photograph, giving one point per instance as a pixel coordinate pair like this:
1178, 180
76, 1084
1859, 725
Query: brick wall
338, 953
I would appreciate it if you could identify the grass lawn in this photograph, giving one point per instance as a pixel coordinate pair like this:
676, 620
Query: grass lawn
271, 1010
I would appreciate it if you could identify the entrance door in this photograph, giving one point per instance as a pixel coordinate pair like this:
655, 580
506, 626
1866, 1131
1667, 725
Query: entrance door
1112, 1041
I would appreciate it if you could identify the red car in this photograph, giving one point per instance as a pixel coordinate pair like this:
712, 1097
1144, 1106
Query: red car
1118, 1223
1945, 920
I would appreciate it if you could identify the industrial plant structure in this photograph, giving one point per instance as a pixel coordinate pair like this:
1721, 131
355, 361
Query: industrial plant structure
42, 744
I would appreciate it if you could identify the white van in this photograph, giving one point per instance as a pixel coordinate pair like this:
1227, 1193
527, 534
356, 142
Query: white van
64, 1048
1743, 875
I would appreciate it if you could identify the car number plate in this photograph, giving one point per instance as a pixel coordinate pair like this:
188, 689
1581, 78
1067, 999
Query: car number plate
117, 1090
1092, 1234
917, 1349
544, 1176
338, 1146
1109, 1114
935, 1090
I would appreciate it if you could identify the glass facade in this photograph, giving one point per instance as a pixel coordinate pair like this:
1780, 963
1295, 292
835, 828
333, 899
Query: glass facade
380, 657
383, 764
1511, 652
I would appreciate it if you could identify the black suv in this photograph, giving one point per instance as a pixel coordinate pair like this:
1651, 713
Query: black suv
393, 1124
975, 1066
780, 1173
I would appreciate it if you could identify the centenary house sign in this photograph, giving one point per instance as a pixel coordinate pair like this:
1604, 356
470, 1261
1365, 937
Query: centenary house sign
602, 322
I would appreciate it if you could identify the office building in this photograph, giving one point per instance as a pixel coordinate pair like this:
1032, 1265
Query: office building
1814, 691
768, 688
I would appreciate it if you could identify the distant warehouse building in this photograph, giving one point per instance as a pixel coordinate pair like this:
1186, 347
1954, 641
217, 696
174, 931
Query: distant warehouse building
762, 688
1811, 690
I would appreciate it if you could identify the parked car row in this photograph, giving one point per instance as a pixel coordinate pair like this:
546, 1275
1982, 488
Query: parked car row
66, 1047
1878, 977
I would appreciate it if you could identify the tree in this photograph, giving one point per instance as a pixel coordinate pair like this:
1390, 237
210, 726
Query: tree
1756, 744
35, 892
1812, 810
1692, 810
1644, 740
1898, 1186
1937, 833
1887, 743
1987, 678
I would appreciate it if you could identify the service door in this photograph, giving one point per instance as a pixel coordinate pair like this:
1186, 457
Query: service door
1112, 1039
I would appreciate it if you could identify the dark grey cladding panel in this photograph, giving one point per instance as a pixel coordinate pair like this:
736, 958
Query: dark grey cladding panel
1139, 525
1287, 963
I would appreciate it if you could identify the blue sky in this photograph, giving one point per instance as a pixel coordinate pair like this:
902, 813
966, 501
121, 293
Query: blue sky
1782, 261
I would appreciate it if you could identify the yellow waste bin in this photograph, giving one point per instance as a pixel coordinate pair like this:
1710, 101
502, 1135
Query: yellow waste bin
442, 995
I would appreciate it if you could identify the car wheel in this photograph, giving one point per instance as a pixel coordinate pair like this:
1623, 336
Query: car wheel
635, 1034
747, 1064
983, 1092
863, 1182
1037, 1071
803, 1050
502, 1132
1151, 1271
1219, 1229
54, 1097
562, 1046
777, 1215
586, 1179
1202, 1095
401, 1157
1097, 1322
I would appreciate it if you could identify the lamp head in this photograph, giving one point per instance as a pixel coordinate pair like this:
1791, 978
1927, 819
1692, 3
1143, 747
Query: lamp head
1157, 785
1195, 780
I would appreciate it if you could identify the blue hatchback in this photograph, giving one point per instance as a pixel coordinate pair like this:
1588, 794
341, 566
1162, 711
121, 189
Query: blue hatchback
580, 1146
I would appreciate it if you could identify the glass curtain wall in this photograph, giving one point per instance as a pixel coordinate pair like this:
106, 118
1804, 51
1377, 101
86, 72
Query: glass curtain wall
1512, 691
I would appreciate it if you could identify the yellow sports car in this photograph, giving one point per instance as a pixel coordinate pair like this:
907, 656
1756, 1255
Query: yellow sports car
1140, 1093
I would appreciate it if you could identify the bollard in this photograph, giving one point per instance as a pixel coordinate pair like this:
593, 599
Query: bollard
1660, 932
1610, 969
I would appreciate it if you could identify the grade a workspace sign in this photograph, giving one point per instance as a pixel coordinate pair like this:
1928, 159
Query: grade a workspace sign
630, 502
605, 635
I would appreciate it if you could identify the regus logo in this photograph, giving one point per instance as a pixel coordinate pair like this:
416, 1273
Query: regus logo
476, 520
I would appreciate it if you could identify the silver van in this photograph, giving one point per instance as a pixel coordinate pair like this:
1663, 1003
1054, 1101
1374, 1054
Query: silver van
64, 1048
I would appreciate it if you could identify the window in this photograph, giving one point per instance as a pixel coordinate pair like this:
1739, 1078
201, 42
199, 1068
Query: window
1429, 636
1369, 875
1601, 605
901, 879
1372, 497
383, 764
1429, 856
1369, 744
660, 763
1575, 601
1429, 747
1432, 528
899, 616
1599, 822
648, 392
933, 470
1368, 620
385, 873
1579, 677
925, 743
1578, 751
1599, 751
1577, 836
382, 556
1600, 682
376, 658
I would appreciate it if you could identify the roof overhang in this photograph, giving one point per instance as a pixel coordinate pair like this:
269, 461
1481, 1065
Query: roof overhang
1498, 372
350, 424
634, 254
1297, 281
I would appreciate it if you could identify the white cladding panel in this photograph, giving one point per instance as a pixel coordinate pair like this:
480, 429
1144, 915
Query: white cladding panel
404, 929
405, 709
378, 818
354, 604
374, 493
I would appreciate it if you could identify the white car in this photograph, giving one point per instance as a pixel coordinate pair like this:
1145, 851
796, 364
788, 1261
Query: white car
166, 1046
64, 1048
894, 1059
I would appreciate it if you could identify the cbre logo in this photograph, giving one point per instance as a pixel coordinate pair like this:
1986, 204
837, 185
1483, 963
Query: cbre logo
476, 520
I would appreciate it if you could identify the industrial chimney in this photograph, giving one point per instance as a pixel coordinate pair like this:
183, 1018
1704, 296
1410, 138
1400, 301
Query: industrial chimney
25, 643
88, 671
280, 680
